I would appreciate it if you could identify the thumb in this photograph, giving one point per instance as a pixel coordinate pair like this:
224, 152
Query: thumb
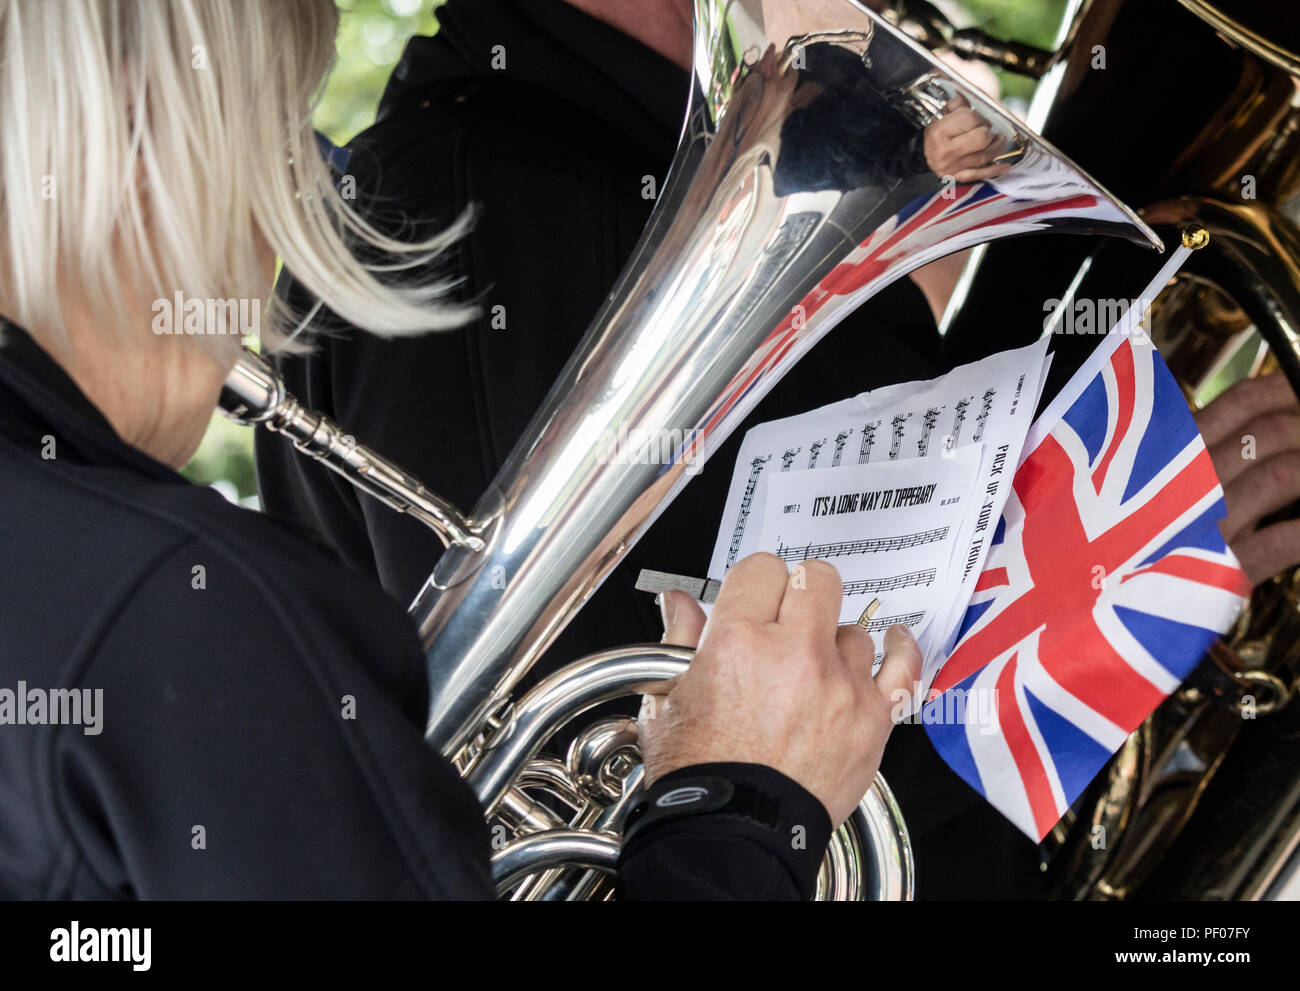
683, 619
901, 669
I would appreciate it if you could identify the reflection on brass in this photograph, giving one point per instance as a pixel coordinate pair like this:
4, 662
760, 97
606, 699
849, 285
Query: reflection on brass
1164, 813
1010, 155
1203, 799
1259, 39
931, 27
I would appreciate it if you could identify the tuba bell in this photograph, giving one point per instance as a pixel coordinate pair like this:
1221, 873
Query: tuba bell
800, 188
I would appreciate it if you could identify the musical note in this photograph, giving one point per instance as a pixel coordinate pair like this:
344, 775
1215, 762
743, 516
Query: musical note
787, 459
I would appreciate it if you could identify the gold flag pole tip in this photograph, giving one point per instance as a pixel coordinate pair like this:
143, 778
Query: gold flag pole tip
1195, 237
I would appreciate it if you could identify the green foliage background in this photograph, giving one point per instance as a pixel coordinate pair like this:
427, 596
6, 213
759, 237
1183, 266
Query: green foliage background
372, 34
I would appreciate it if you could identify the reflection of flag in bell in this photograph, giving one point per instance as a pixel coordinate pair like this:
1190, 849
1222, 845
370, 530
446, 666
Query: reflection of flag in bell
1107, 581
928, 227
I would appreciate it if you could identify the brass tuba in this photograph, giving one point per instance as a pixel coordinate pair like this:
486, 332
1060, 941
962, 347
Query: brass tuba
1203, 800
799, 189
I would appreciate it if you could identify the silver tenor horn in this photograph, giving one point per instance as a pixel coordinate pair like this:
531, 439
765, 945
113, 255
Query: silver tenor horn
800, 188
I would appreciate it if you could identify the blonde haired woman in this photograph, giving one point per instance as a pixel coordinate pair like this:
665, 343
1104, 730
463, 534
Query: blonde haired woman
195, 701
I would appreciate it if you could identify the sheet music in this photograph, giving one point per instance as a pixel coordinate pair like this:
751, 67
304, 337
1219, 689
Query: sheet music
987, 404
890, 528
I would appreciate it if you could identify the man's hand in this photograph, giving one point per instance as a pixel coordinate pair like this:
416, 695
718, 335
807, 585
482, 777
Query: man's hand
1253, 434
962, 145
775, 681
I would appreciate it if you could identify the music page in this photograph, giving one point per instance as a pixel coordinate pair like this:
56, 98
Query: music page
987, 405
890, 528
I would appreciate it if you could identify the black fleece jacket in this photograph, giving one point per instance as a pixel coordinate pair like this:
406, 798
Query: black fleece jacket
248, 717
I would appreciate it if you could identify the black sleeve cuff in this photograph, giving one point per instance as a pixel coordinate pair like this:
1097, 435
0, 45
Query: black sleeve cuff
724, 830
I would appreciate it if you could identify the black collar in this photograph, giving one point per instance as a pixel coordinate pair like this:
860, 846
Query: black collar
37, 396
554, 46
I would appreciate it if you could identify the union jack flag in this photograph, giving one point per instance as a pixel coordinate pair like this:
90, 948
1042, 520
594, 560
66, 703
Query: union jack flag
1106, 582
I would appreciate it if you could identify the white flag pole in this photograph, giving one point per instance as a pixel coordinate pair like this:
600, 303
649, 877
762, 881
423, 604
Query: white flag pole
1194, 238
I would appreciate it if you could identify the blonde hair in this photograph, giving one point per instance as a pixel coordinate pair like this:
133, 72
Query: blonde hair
146, 145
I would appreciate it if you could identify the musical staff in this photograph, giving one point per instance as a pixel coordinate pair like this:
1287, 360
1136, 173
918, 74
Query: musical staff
983, 418
897, 441
930, 419
885, 622
787, 459
872, 586
958, 419
868, 441
814, 450
755, 470
845, 548
841, 439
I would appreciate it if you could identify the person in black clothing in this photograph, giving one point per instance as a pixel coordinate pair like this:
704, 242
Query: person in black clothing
196, 701
554, 150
